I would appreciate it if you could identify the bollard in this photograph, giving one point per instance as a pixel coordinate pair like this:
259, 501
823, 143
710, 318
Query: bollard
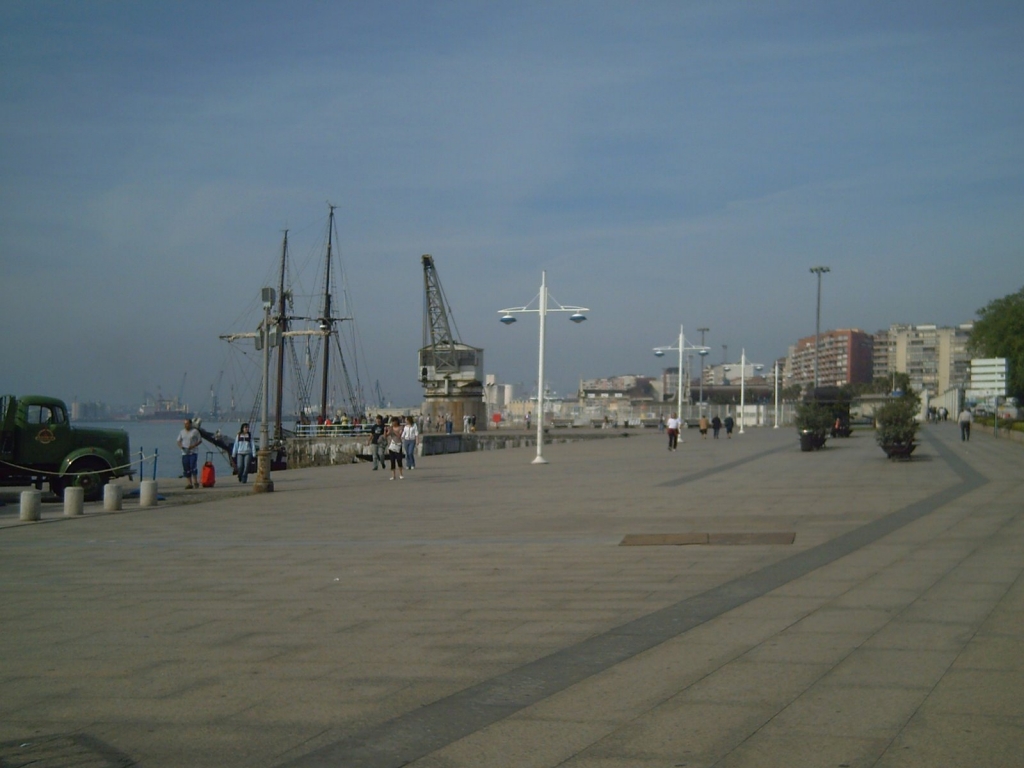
74, 501
31, 501
147, 493
112, 496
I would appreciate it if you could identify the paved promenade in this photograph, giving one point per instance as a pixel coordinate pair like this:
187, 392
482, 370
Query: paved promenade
483, 613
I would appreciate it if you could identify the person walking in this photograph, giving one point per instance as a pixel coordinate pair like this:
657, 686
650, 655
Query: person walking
376, 440
189, 441
393, 439
965, 419
243, 453
729, 423
673, 432
410, 436
716, 425
703, 426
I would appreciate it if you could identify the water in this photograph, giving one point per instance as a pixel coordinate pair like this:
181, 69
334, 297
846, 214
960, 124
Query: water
162, 437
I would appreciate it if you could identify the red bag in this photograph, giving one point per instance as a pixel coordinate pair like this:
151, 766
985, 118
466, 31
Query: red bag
208, 477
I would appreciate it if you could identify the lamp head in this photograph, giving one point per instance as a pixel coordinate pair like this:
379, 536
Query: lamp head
507, 319
659, 353
577, 317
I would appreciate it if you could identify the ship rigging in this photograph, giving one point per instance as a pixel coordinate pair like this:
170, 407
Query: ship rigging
322, 340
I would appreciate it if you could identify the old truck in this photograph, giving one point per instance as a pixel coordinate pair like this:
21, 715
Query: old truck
38, 445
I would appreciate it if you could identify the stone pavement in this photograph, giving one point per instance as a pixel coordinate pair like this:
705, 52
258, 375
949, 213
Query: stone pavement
482, 612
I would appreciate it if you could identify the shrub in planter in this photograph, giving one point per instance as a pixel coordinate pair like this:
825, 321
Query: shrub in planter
813, 422
897, 425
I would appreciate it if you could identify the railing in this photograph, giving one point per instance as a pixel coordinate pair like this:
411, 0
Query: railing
332, 430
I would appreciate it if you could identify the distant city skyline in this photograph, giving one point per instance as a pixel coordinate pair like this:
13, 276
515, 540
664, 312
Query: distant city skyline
666, 163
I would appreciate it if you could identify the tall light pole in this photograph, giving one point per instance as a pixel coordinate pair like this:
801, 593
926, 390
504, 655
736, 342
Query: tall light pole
263, 482
819, 271
703, 353
743, 386
681, 346
775, 424
542, 310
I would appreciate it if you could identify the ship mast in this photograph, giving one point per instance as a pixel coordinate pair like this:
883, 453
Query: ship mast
326, 321
282, 324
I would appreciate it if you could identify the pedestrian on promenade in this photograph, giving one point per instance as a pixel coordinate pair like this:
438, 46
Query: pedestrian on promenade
703, 426
965, 419
376, 441
189, 441
716, 425
410, 436
673, 432
242, 453
729, 423
393, 438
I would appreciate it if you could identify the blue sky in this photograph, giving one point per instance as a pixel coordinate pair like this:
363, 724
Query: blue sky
667, 163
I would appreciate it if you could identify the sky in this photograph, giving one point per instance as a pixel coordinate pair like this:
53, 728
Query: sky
666, 163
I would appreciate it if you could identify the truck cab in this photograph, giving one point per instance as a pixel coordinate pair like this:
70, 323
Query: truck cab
38, 445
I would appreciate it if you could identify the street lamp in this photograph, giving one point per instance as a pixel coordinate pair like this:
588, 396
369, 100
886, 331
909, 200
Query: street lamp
507, 317
743, 383
268, 338
775, 423
703, 353
819, 271
682, 345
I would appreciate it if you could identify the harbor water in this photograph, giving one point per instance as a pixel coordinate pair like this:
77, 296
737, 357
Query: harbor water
159, 440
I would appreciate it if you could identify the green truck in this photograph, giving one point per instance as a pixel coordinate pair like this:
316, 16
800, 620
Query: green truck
38, 445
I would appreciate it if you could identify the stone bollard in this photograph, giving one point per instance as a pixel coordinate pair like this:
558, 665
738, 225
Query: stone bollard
112, 496
74, 501
147, 493
31, 503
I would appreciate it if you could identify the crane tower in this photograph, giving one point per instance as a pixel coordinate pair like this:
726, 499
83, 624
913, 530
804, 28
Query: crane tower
451, 372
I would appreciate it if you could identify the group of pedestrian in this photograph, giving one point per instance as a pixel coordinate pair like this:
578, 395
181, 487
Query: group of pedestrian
674, 425
395, 443
715, 424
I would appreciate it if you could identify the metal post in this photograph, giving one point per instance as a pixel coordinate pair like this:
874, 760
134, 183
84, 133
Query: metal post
776, 424
701, 355
817, 322
679, 394
263, 482
540, 371
743, 385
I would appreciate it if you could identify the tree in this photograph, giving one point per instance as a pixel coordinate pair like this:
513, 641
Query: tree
999, 332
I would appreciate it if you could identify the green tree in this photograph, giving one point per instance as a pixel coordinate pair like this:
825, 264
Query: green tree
999, 332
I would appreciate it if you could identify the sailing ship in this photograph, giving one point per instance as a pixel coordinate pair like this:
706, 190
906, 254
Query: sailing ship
318, 341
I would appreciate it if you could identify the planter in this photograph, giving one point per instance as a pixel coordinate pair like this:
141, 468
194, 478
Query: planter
811, 441
899, 451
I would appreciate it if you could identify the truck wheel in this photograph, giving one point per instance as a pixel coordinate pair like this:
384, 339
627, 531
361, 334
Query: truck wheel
89, 473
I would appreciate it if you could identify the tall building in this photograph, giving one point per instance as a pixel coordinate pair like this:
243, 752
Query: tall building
844, 357
934, 357
883, 349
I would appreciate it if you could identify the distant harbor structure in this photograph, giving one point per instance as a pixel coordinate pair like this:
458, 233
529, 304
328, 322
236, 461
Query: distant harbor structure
451, 372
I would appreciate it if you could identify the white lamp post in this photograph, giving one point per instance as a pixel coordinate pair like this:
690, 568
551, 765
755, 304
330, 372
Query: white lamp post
542, 310
775, 424
743, 385
682, 345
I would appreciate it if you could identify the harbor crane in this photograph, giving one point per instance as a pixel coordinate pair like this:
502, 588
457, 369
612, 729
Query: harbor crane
451, 372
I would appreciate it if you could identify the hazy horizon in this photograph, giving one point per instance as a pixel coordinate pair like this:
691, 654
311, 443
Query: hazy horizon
665, 163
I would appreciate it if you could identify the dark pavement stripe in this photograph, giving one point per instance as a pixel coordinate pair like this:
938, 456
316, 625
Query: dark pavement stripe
418, 733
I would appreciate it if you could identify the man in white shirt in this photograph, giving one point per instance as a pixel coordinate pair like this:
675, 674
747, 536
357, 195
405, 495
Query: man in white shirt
673, 426
189, 441
965, 419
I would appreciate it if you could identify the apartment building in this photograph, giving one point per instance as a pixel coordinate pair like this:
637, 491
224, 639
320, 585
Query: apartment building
844, 357
934, 357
